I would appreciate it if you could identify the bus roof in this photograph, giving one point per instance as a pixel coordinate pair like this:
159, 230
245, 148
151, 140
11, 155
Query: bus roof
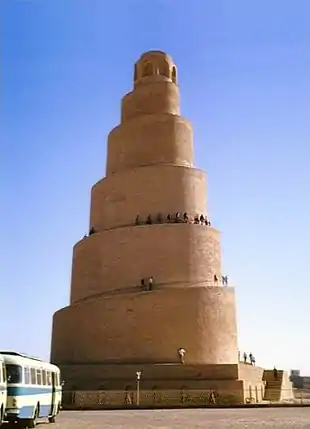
9, 353
19, 358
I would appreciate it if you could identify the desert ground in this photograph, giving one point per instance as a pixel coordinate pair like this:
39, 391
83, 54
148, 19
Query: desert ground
284, 418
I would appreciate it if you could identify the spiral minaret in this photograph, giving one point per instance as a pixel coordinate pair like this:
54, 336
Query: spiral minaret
150, 174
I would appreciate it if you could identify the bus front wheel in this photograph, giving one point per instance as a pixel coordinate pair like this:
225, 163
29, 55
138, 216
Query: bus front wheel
33, 422
52, 419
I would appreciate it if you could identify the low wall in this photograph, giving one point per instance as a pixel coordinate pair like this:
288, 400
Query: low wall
253, 385
287, 392
250, 372
150, 398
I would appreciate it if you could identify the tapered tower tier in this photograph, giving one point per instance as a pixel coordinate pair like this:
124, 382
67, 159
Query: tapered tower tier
150, 140
176, 255
152, 190
135, 326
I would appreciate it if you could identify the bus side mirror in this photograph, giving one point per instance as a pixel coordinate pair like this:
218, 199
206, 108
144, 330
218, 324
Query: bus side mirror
63, 383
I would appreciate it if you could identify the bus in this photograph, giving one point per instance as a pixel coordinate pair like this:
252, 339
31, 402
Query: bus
34, 389
3, 390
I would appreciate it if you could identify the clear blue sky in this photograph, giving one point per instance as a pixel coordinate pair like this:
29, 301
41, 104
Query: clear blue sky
244, 74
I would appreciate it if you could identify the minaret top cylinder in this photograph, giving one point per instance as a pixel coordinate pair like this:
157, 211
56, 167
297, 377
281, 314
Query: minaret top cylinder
155, 87
154, 66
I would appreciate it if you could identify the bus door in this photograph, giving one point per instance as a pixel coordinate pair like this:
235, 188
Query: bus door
54, 383
2, 392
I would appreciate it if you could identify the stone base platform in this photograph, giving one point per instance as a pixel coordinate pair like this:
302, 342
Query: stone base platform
117, 384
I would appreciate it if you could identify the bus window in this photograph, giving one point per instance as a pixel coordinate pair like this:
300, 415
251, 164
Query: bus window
39, 377
33, 376
1, 373
49, 378
14, 373
44, 377
27, 375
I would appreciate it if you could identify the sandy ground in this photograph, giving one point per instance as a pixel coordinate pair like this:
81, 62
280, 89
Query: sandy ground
294, 418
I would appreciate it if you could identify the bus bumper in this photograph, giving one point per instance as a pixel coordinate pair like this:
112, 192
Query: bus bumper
12, 414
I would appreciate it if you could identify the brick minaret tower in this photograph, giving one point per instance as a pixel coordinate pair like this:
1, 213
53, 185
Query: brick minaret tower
150, 172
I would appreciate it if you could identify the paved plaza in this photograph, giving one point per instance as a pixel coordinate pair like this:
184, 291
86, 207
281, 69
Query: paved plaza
293, 418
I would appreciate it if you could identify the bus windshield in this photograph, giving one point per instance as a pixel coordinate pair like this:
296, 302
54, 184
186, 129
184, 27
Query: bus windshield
14, 374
